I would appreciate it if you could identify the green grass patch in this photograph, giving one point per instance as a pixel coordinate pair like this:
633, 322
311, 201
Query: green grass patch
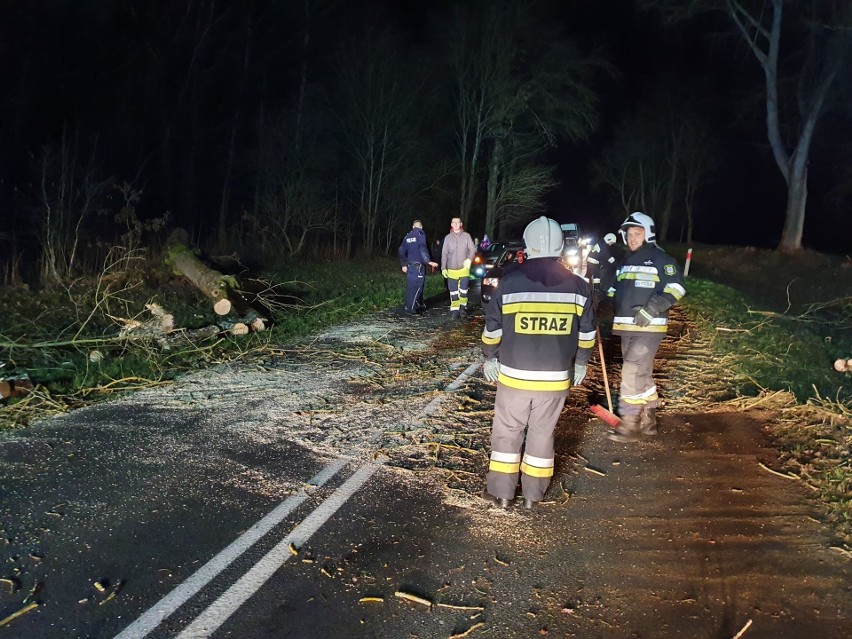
334, 292
775, 351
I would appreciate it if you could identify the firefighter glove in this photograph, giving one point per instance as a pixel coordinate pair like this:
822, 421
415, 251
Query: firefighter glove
657, 305
491, 369
642, 318
467, 263
579, 374
445, 273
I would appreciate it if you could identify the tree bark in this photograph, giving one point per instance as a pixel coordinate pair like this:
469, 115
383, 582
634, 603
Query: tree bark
794, 221
493, 179
213, 284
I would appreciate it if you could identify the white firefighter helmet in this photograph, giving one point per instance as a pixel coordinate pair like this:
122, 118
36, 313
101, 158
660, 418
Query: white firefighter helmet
543, 238
610, 238
639, 219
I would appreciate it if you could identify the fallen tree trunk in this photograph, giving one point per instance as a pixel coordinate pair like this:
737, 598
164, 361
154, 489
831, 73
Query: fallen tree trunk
213, 284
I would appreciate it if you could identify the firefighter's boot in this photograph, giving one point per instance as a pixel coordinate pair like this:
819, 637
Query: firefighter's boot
648, 421
500, 502
627, 431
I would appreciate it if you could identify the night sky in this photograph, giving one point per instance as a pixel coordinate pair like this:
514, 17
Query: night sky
189, 102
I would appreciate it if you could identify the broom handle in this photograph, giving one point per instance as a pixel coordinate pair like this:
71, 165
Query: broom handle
603, 368
600, 351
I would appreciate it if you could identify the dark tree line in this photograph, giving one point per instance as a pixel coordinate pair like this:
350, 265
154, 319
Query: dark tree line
319, 127
307, 126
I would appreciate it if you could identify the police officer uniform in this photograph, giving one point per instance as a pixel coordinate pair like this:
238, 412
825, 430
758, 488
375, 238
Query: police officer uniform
539, 325
414, 255
648, 282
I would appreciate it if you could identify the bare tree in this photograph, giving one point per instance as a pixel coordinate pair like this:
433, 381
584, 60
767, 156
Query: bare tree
637, 167
700, 160
662, 154
479, 59
827, 45
512, 86
292, 200
69, 190
820, 33
375, 106
521, 192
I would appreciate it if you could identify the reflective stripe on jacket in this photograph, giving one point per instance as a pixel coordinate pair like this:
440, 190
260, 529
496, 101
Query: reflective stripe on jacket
539, 324
647, 273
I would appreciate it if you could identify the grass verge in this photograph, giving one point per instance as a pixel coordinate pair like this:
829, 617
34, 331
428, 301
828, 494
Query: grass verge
774, 338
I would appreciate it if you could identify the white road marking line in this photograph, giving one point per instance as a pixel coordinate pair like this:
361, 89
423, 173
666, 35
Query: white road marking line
220, 610
152, 618
432, 406
176, 598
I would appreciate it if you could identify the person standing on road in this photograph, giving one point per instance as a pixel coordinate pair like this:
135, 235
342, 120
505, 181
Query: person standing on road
601, 263
414, 257
456, 257
647, 283
538, 337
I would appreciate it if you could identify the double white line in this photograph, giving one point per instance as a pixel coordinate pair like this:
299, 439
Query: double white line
219, 611
229, 602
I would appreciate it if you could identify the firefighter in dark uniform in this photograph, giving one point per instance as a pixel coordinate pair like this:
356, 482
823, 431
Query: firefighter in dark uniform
648, 282
414, 256
601, 263
538, 337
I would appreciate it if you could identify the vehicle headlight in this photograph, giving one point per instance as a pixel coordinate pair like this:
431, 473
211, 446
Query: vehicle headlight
479, 271
491, 281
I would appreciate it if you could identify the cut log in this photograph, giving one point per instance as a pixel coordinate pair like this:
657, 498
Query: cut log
213, 284
228, 303
223, 307
239, 329
162, 323
15, 386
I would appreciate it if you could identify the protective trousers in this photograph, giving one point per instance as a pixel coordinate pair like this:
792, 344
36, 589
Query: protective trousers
457, 284
516, 412
638, 390
415, 278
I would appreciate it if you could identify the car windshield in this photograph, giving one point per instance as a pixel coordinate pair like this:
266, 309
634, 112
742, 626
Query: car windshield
493, 252
509, 256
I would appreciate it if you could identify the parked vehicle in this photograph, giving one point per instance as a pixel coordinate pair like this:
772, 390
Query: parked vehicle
483, 262
485, 259
491, 280
575, 249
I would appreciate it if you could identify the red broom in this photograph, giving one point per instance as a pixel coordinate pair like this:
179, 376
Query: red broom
602, 413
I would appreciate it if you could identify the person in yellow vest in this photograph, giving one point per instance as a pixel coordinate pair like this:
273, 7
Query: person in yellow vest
457, 254
538, 337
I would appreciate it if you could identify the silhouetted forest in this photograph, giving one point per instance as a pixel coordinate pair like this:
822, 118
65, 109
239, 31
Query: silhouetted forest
321, 128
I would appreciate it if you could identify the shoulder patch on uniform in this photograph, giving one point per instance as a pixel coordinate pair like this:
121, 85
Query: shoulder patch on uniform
669, 269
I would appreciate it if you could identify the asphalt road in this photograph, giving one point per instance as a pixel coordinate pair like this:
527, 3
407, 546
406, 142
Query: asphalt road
197, 510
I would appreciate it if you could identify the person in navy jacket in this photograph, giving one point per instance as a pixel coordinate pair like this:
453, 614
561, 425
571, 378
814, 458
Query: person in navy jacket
414, 257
